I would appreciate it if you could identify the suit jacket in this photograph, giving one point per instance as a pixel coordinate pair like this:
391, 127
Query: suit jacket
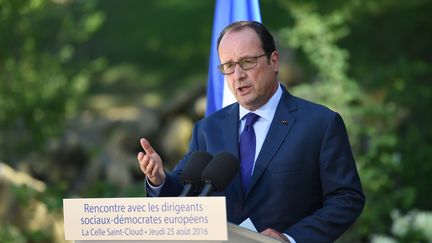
305, 182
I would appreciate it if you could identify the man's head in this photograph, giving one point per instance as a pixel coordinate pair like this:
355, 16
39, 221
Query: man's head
250, 62
267, 42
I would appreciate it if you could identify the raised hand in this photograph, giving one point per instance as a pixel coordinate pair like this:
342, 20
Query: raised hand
151, 164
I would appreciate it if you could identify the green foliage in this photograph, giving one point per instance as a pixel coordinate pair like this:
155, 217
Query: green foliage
10, 234
167, 42
369, 60
24, 194
53, 196
41, 81
373, 84
413, 227
109, 189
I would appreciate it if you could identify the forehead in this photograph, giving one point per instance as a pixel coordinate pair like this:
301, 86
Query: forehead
239, 43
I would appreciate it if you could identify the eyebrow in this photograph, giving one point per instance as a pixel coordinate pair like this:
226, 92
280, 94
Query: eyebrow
248, 56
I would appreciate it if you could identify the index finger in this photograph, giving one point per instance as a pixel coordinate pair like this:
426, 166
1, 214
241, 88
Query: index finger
146, 146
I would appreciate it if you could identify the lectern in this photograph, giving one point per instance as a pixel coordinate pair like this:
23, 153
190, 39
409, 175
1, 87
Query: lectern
158, 219
236, 234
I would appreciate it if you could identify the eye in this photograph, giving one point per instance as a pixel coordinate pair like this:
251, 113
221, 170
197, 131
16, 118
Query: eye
247, 62
229, 65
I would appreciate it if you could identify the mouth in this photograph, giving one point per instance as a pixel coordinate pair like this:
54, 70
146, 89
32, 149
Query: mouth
243, 90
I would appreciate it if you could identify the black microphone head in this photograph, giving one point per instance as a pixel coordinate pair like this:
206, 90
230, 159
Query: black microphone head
192, 171
221, 170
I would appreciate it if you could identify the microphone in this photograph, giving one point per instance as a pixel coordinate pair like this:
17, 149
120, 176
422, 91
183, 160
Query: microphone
191, 175
219, 173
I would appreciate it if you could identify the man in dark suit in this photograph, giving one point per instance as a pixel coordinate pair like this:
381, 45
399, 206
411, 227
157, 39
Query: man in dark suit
300, 183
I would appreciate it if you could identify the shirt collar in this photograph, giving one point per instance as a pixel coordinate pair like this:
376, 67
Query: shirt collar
266, 111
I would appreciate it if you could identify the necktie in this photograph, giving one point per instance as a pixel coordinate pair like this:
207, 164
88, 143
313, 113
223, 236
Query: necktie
247, 150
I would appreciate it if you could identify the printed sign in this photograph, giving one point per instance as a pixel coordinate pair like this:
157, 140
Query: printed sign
161, 218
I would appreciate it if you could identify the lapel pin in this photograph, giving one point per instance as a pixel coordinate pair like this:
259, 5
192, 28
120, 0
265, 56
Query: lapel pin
284, 122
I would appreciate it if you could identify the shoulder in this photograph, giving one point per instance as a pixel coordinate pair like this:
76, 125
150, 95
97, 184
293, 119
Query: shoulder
309, 115
218, 116
315, 108
221, 114
302, 107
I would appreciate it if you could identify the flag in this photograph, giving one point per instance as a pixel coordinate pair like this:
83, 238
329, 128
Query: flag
226, 12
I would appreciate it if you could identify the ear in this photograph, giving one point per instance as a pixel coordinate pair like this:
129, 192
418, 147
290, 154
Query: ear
274, 61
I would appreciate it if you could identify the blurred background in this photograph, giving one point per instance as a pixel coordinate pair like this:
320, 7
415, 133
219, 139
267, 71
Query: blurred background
82, 81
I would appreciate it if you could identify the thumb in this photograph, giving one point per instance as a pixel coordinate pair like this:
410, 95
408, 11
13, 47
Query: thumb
145, 144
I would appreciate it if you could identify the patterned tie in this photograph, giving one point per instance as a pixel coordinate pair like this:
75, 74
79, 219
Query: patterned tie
247, 150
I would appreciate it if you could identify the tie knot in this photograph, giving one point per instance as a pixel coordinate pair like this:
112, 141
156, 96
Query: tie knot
251, 118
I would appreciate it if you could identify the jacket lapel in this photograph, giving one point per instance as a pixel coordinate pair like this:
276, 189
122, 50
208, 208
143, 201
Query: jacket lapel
230, 133
282, 122
229, 130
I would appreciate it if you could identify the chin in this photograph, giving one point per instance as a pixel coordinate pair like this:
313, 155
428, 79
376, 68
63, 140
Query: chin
248, 106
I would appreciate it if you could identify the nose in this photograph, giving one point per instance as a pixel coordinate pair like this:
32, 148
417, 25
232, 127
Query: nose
239, 74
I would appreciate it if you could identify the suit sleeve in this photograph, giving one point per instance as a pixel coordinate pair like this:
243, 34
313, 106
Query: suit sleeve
343, 199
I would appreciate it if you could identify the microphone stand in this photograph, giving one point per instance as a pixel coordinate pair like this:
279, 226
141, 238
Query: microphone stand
207, 190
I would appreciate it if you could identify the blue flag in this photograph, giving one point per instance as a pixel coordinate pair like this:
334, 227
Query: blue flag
226, 12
